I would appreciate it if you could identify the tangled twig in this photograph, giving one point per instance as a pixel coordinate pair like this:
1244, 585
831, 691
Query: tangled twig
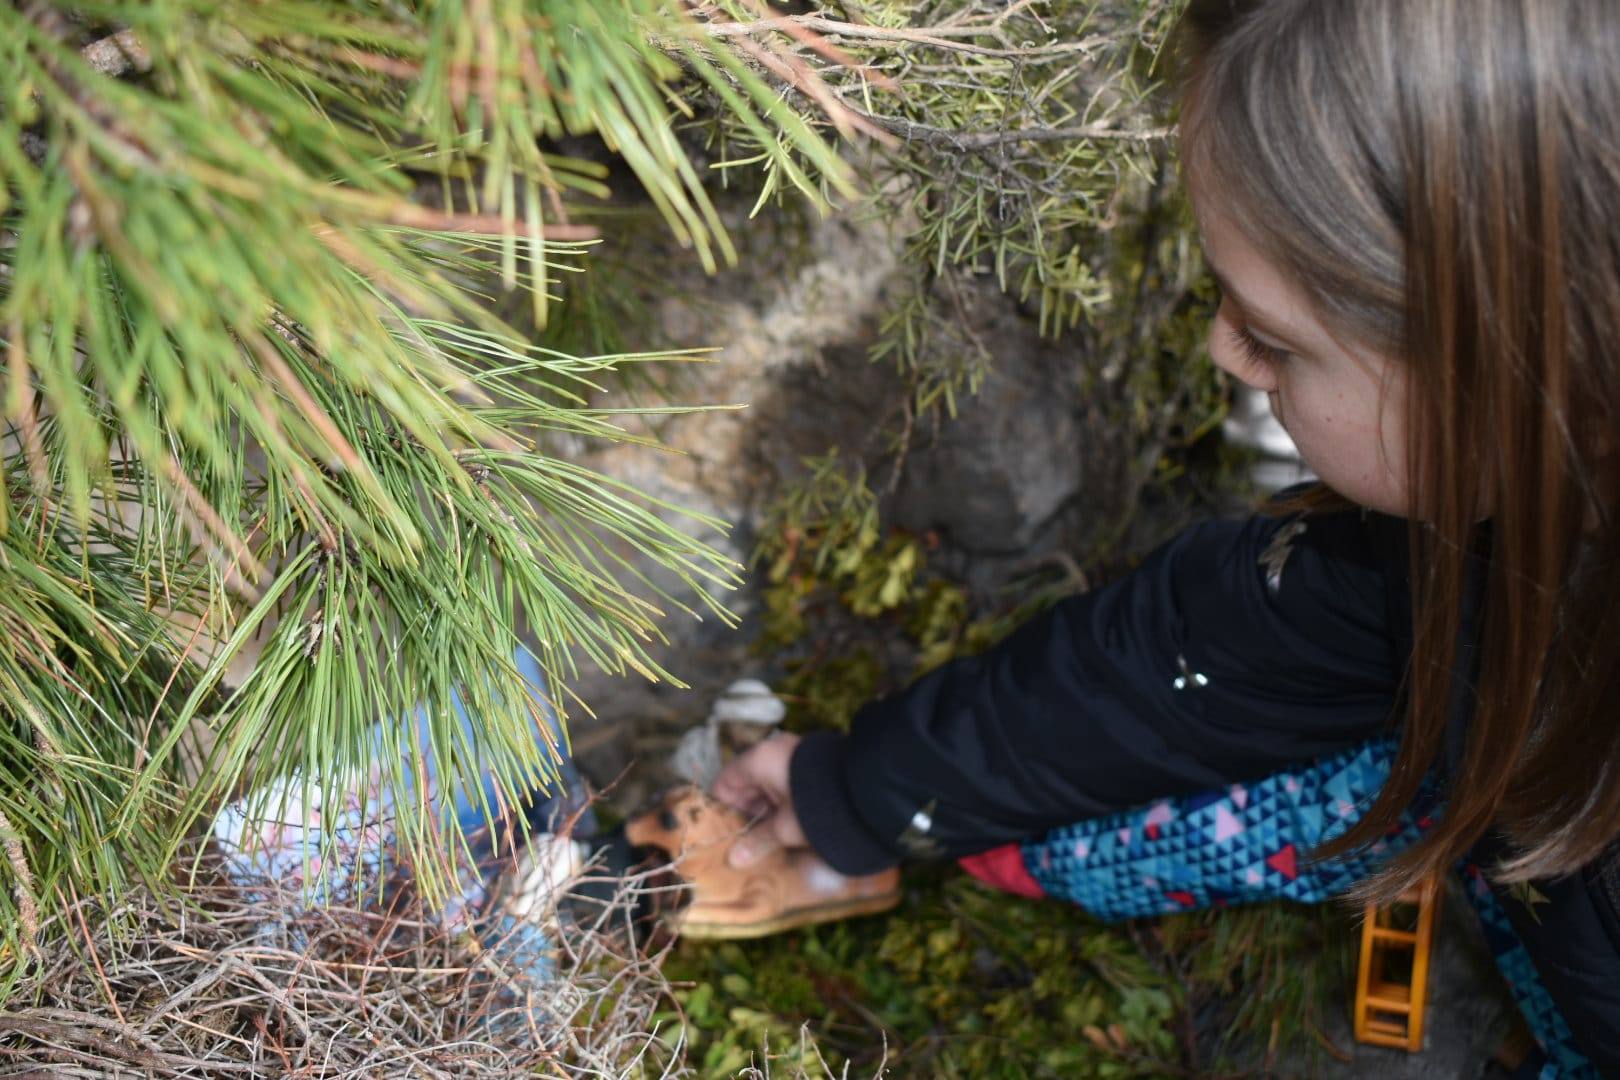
22, 889
240, 985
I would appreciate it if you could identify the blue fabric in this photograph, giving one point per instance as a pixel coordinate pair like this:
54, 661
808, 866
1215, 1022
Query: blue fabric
339, 853
1244, 843
1251, 842
1557, 1043
544, 808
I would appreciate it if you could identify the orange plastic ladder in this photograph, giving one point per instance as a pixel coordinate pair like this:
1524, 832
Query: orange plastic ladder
1392, 984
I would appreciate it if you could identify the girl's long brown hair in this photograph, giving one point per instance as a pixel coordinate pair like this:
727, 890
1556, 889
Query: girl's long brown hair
1443, 178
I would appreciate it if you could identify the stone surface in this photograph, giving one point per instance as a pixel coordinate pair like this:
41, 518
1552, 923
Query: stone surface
1028, 468
993, 480
808, 302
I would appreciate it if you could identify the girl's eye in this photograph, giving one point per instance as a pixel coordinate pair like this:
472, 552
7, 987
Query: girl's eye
1254, 350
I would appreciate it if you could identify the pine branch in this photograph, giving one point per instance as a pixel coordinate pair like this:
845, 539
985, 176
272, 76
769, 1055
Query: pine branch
258, 401
1017, 126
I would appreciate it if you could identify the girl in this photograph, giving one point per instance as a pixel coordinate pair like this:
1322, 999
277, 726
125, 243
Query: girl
1409, 206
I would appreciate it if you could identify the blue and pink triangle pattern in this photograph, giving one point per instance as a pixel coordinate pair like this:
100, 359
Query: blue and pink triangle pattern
1240, 844
1560, 1058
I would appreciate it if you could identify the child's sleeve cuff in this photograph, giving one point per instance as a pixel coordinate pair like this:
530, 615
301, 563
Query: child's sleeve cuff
818, 784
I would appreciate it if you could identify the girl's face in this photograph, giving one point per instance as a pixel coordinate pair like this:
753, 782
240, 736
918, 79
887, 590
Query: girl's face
1340, 402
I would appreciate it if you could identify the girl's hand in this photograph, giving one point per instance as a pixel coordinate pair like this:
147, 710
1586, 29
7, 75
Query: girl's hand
756, 783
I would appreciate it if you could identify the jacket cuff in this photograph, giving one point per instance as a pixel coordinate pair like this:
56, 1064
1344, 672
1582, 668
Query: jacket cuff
817, 782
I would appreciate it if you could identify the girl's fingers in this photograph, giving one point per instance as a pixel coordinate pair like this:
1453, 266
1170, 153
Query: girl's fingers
737, 789
785, 827
751, 847
780, 830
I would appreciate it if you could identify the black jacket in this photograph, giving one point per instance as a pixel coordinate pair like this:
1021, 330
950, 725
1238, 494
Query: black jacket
1233, 651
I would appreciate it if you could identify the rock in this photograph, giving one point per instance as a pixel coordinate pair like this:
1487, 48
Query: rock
799, 298
1031, 467
748, 701
696, 759
992, 481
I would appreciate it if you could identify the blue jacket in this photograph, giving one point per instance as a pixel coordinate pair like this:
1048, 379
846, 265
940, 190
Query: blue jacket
1237, 649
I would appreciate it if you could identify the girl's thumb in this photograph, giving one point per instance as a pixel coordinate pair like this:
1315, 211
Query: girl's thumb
751, 847
779, 829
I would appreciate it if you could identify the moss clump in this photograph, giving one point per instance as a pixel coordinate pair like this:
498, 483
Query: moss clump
962, 981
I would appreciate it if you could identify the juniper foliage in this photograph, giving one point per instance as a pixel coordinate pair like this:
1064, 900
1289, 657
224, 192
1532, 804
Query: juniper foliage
1016, 137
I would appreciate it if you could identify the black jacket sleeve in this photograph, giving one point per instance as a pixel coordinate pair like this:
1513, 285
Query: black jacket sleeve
1236, 649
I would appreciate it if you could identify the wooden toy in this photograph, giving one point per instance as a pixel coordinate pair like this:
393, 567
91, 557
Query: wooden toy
1392, 981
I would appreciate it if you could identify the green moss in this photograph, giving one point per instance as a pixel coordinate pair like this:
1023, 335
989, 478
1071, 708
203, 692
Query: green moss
826, 694
962, 981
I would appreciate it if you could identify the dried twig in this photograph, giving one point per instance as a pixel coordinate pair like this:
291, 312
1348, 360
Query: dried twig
236, 985
22, 889
953, 39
